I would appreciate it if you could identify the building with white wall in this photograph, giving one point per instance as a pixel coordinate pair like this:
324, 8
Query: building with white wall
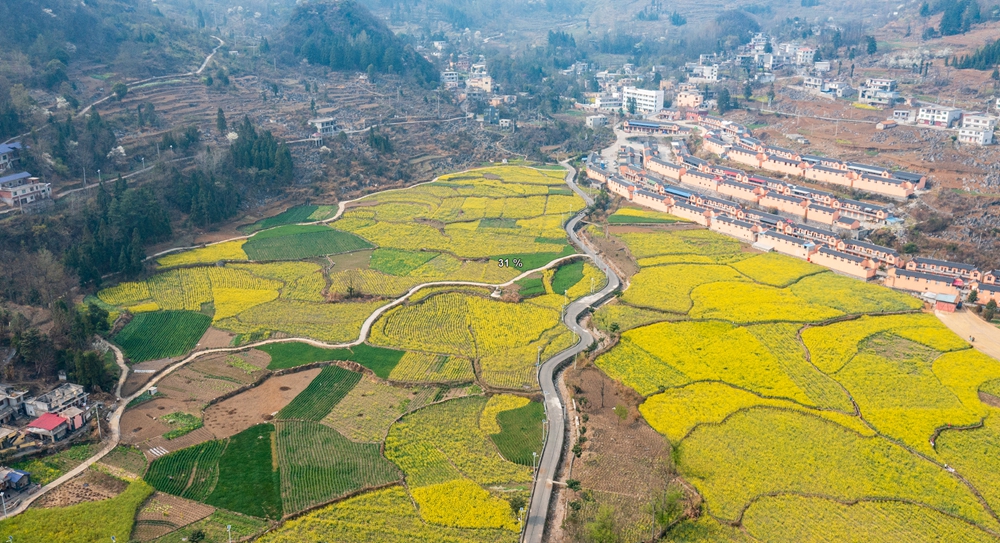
646, 101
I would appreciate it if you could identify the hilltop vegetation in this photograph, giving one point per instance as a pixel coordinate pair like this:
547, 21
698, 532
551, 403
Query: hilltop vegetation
346, 36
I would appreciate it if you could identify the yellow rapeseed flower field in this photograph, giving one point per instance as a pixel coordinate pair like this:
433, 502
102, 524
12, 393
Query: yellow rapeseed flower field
463, 504
776, 269
498, 404
229, 250
746, 303
668, 288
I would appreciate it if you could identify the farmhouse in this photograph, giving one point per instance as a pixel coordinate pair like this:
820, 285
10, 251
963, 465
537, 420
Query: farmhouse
66, 395
914, 281
815, 234
653, 128
715, 145
875, 252
621, 187
693, 213
736, 228
743, 191
14, 479
49, 427
992, 277
785, 204
845, 263
863, 211
701, 180
781, 164
943, 267
22, 188
745, 156
665, 168
11, 403
653, 200
10, 155
827, 174
822, 214
788, 245
886, 185
988, 293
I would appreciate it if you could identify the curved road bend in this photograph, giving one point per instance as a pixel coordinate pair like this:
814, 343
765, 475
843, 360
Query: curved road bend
555, 410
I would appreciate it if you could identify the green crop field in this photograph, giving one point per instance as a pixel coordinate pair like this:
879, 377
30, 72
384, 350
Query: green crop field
521, 433
399, 262
215, 528
566, 276
89, 521
249, 481
162, 334
289, 355
531, 286
318, 464
181, 424
323, 392
189, 473
297, 214
298, 242
48, 469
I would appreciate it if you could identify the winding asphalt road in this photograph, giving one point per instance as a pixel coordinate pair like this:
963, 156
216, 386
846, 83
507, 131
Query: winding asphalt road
555, 406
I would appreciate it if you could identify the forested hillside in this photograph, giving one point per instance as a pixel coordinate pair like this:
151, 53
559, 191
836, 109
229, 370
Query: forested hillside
346, 36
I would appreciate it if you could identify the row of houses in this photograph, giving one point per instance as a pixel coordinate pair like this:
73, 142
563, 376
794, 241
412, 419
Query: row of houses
802, 203
752, 152
769, 232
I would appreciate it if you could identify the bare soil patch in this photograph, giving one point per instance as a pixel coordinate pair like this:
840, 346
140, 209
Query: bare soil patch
259, 404
164, 513
140, 374
616, 252
215, 338
89, 486
141, 422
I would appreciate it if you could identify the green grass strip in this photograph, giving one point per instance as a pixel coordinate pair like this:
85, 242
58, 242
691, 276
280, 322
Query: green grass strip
520, 433
324, 392
566, 276
289, 355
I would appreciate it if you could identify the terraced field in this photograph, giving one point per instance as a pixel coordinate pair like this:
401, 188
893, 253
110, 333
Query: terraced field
798, 409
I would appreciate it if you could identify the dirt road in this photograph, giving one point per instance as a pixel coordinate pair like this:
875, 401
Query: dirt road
967, 323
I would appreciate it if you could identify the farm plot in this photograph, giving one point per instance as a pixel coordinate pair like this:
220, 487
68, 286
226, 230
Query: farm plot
259, 404
632, 215
164, 513
190, 473
150, 336
367, 411
90, 486
48, 469
417, 367
386, 515
668, 288
776, 269
332, 322
299, 242
248, 476
504, 337
217, 527
318, 465
292, 354
91, 521
226, 251
399, 262
521, 433
323, 392
292, 215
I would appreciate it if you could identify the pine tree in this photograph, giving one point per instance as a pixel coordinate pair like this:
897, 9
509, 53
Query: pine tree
220, 121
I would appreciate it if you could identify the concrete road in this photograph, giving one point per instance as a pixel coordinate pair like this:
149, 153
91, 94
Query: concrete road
967, 323
555, 406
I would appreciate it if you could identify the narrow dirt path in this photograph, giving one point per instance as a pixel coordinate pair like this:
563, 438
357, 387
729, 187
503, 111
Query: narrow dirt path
966, 324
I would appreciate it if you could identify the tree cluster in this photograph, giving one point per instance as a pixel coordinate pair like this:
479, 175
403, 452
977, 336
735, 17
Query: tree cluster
986, 58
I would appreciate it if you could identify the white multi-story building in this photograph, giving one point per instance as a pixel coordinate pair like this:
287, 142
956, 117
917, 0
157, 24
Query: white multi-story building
944, 116
878, 92
811, 82
646, 101
449, 77
54, 401
907, 116
977, 129
597, 121
702, 72
608, 102
21, 189
327, 126
804, 56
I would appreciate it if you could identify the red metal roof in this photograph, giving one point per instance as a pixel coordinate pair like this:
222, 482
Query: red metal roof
47, 422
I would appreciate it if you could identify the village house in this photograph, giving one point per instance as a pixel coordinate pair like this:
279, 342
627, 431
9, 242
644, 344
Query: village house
827, 174
10, 155
597, 173
743, 191
693, 213
22, 189
736, 228
792, 205
884, 185
715, 145
882, 255
845, 223
11, 403
653, 128
925, 283
767, 220
653, 200
786, 244
66, 395
621, 187
48, 427
725, 173
943, 267
718, 204
700, 180
746, 156
665, 168
988, 293
992, 277
848, 264
13, 479
689, 99
781, 164
943, 116
822, 236
822, 214
863, 211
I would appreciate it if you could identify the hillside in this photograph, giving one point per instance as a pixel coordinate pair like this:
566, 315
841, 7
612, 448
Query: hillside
345, 36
